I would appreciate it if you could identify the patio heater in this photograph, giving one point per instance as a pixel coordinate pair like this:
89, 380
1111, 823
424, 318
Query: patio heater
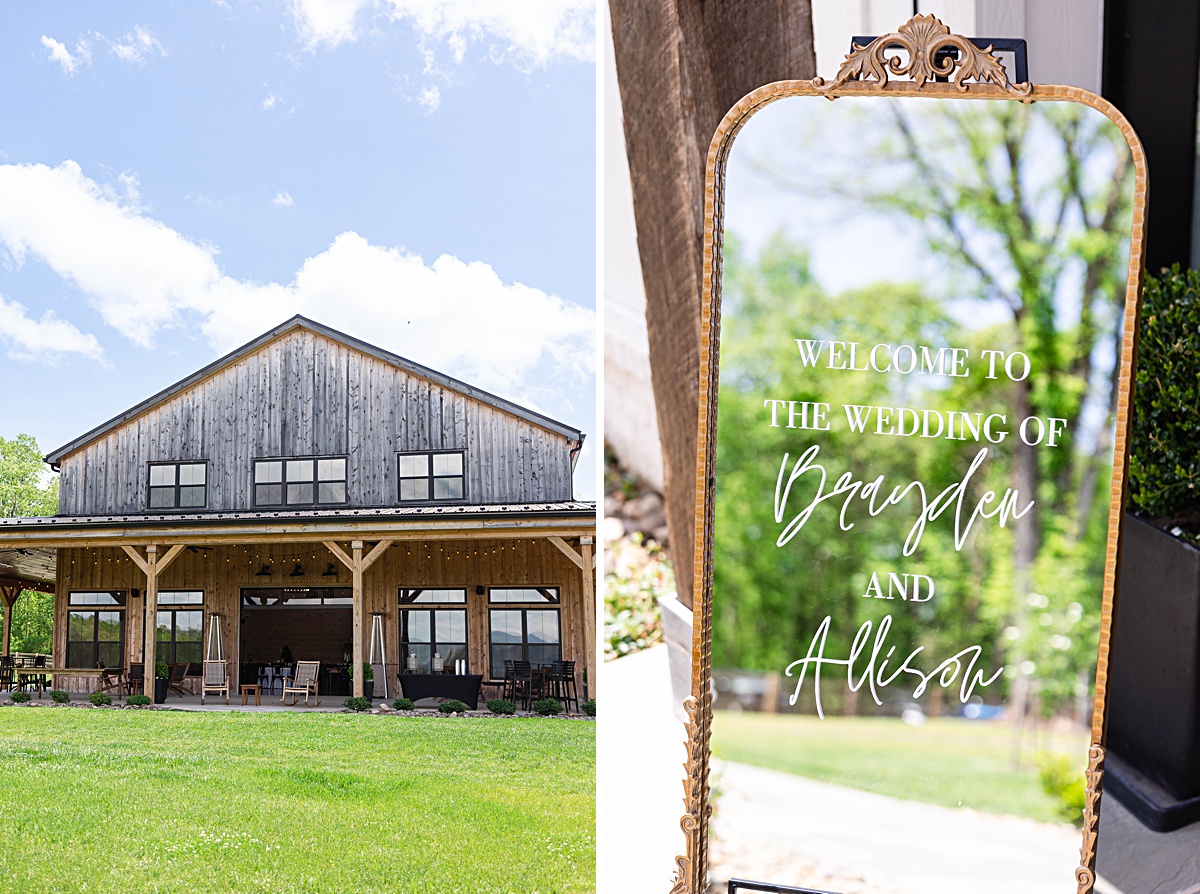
378, 658
214, 652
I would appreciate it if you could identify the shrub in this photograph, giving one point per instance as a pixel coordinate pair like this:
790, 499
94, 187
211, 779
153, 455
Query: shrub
589, 707
138, 700
60, 697
638, 574
452, 706
161, 671
547, 706
1065, 783
20, 697
404, 704
368, 673
1164, 465
358, 703
100, 698
501, 706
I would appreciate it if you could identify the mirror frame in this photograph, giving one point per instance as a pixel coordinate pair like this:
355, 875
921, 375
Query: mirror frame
974, 74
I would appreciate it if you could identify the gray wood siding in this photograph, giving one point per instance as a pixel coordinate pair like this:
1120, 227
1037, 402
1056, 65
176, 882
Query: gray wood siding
306, 395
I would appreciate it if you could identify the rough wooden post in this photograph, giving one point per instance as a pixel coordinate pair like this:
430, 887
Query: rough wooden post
150, 624
10, 596
589, 612
356, 548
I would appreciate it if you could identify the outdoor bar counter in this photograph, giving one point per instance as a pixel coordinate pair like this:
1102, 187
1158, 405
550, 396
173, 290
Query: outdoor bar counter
464, 687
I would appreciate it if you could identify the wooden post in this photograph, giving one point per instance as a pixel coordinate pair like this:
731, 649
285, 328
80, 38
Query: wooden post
150, 624
356, 547
589, 612
10, 596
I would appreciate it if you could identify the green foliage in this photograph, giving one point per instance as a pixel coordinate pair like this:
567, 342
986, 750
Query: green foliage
547, 706
404, 704
1164, 468
100, 698
357, 703
637, 576
139, 701
501, 706
452, 706
368, 673
20, 697
1064, 782
26, 487
161, 671
589, 707
59, 697
32, 622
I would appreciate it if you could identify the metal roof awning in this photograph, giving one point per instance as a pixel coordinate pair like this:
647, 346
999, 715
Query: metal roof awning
29, 568
462, 522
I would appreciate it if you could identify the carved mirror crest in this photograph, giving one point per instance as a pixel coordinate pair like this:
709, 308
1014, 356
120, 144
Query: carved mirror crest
918, 334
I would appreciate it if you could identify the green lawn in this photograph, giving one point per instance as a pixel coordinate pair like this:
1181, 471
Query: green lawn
141, 801
948, 761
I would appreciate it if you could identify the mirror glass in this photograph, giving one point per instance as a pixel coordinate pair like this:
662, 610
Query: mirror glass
920, 345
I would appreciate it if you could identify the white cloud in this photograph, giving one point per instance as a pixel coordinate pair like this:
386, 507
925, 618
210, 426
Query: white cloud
46, 339
141, 276
430, 98
271, 101
284, 199
60, 54
529, 32
135, 46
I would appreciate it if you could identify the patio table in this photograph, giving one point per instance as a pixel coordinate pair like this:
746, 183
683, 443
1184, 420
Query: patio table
19, 672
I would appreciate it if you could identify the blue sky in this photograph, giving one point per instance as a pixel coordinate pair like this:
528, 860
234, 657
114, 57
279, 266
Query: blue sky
176, 178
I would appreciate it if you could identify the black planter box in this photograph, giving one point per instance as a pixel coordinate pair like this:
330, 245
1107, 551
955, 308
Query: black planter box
160, 691
1154, 681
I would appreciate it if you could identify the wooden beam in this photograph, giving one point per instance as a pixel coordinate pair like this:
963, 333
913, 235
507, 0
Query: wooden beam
589, 612
150, 624
137, 557
339, 553
356, 548
170, 556
566, 550
374, 554
10, 596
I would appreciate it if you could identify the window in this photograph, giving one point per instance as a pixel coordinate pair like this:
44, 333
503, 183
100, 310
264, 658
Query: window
96, 629
178, 486
180, 627
431, 476
300, 482
527, 595
424, 631
523, 634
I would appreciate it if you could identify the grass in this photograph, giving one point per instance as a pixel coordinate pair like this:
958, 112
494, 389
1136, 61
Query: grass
120, 801
948, 761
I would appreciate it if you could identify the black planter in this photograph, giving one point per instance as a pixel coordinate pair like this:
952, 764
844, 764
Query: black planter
160, 691
368, 689
1154, 681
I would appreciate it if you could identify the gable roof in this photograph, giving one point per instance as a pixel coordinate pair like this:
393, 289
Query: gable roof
300, 322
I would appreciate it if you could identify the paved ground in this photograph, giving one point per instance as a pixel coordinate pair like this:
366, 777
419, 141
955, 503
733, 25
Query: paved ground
787, 829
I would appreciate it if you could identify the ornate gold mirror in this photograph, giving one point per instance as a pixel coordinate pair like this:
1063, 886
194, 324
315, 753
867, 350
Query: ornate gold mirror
919, 320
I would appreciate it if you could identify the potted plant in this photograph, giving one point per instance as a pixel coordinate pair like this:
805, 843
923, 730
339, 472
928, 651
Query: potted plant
368, 681
1153, 764
161, 675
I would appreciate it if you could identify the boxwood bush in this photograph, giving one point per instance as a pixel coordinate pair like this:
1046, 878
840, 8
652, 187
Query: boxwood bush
1164, 466
501, 706
358, 703
547, 706
59, 697
404, 704
100, 698
452, 706
20, 697
138, 700
589, 707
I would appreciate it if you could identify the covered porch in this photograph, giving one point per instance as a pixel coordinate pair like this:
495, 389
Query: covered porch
461, 587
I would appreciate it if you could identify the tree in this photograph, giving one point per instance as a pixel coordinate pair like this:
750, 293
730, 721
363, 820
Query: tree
27, 490
681, 65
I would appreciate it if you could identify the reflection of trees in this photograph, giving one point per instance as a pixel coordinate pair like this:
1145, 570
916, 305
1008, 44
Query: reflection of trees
1029, 208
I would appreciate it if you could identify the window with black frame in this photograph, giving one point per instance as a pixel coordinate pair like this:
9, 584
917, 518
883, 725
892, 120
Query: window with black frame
429, 625
178, 486
180, 628
523, 632
96, 628
306, 481
435, 476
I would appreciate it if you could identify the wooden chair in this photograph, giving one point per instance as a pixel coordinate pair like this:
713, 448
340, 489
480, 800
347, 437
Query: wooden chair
304, 682
112, 678
216, 679
136, 678
175, 680
562, 683
523, 683
6, 671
